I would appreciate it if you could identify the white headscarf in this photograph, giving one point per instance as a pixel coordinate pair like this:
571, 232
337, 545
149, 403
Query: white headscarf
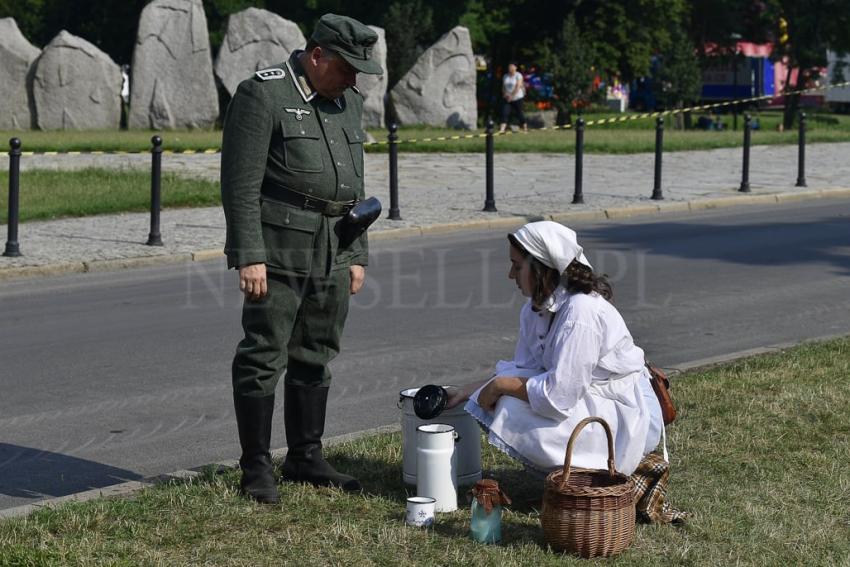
553, 244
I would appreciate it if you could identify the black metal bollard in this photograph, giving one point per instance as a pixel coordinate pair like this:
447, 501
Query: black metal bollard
154, 237
393, 140
745, 176
489, 199
657, 195
801, 152
578, 197
12, 248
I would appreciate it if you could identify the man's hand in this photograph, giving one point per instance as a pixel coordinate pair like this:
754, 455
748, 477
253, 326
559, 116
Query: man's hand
252, 281
358, 276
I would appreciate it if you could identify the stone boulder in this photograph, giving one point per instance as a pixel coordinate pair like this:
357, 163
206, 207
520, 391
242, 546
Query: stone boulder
76, 86
172, 84
440, 88
255, 39
374, 87
16, 57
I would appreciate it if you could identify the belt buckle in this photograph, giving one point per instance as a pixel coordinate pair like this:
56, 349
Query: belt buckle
311, 204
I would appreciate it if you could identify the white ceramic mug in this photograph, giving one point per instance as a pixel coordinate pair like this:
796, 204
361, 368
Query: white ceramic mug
420, 511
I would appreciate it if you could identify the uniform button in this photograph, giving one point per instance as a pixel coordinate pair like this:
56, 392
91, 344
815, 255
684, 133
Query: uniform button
331, 141
303, 132
339, 163
326, 119
310, 191
541, 336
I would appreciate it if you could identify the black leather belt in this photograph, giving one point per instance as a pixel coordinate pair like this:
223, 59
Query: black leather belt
304, 201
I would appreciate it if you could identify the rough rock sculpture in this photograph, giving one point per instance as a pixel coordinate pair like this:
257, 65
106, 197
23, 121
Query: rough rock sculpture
374, 87
255, 39
16, 57
76, 86
172, 83
440, 88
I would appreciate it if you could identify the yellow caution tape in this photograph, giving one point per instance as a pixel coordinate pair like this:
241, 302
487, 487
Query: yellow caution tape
597, 122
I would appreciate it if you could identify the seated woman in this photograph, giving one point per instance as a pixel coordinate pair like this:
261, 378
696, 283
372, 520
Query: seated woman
574, 358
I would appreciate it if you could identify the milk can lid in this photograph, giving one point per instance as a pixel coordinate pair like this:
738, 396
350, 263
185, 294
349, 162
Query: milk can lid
430, 401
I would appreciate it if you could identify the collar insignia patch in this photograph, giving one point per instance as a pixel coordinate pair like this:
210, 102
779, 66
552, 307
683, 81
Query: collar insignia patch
269, 74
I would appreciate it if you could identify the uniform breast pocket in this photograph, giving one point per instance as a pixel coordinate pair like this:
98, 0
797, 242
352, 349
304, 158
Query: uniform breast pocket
356, 137
302, 146
289, 235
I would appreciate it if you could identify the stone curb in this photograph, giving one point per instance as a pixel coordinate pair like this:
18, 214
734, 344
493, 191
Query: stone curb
131, 487
501, 223
128, 488
706, 363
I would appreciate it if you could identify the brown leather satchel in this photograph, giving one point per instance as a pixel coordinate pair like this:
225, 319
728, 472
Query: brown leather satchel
661, 387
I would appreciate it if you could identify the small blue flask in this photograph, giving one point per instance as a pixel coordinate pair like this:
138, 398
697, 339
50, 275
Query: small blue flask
487, 500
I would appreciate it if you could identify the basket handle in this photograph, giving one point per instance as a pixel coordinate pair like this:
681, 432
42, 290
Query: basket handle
569, 456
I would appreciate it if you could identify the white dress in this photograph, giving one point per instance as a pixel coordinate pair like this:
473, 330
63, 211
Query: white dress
581, 361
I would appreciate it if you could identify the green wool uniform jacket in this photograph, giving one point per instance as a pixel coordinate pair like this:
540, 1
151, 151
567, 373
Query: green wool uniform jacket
278, 130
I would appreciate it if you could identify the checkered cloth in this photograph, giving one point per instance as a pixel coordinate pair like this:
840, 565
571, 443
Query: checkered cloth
651, 478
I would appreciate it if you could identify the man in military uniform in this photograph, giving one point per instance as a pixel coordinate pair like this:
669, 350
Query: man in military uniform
291, 168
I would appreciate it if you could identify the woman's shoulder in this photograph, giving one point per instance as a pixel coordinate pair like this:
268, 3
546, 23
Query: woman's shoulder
579, 302
588, 307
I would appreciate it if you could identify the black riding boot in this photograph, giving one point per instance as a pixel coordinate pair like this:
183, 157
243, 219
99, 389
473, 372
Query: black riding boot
254, 419
304, 415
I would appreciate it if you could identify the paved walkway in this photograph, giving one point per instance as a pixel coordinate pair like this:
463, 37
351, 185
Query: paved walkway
437, 192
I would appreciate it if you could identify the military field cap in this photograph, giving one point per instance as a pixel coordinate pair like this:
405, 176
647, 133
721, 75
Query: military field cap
350, 39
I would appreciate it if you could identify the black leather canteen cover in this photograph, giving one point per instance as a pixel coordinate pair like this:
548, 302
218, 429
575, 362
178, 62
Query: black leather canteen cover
358, 219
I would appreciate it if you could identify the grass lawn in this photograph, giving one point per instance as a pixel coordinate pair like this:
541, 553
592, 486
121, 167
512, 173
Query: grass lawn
759, 456
633, 136
54, 194
110, 140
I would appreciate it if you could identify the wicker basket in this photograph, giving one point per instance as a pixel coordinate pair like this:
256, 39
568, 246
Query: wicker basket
585, 511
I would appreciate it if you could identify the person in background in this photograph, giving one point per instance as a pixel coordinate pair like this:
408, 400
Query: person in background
513, 92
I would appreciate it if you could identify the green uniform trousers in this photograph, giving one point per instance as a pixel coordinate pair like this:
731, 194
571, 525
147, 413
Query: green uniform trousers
296, 328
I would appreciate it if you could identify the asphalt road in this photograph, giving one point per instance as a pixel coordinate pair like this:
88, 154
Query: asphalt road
119, 376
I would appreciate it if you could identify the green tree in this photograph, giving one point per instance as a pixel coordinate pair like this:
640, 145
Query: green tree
218, 12
679, 79
721, 23
813, 26
486, 21
625, 34
569, 60
409, 26
111, 26
29, 15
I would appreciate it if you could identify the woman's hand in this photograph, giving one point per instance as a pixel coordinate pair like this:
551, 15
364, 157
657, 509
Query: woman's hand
502, 386
460, 394
489, 396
